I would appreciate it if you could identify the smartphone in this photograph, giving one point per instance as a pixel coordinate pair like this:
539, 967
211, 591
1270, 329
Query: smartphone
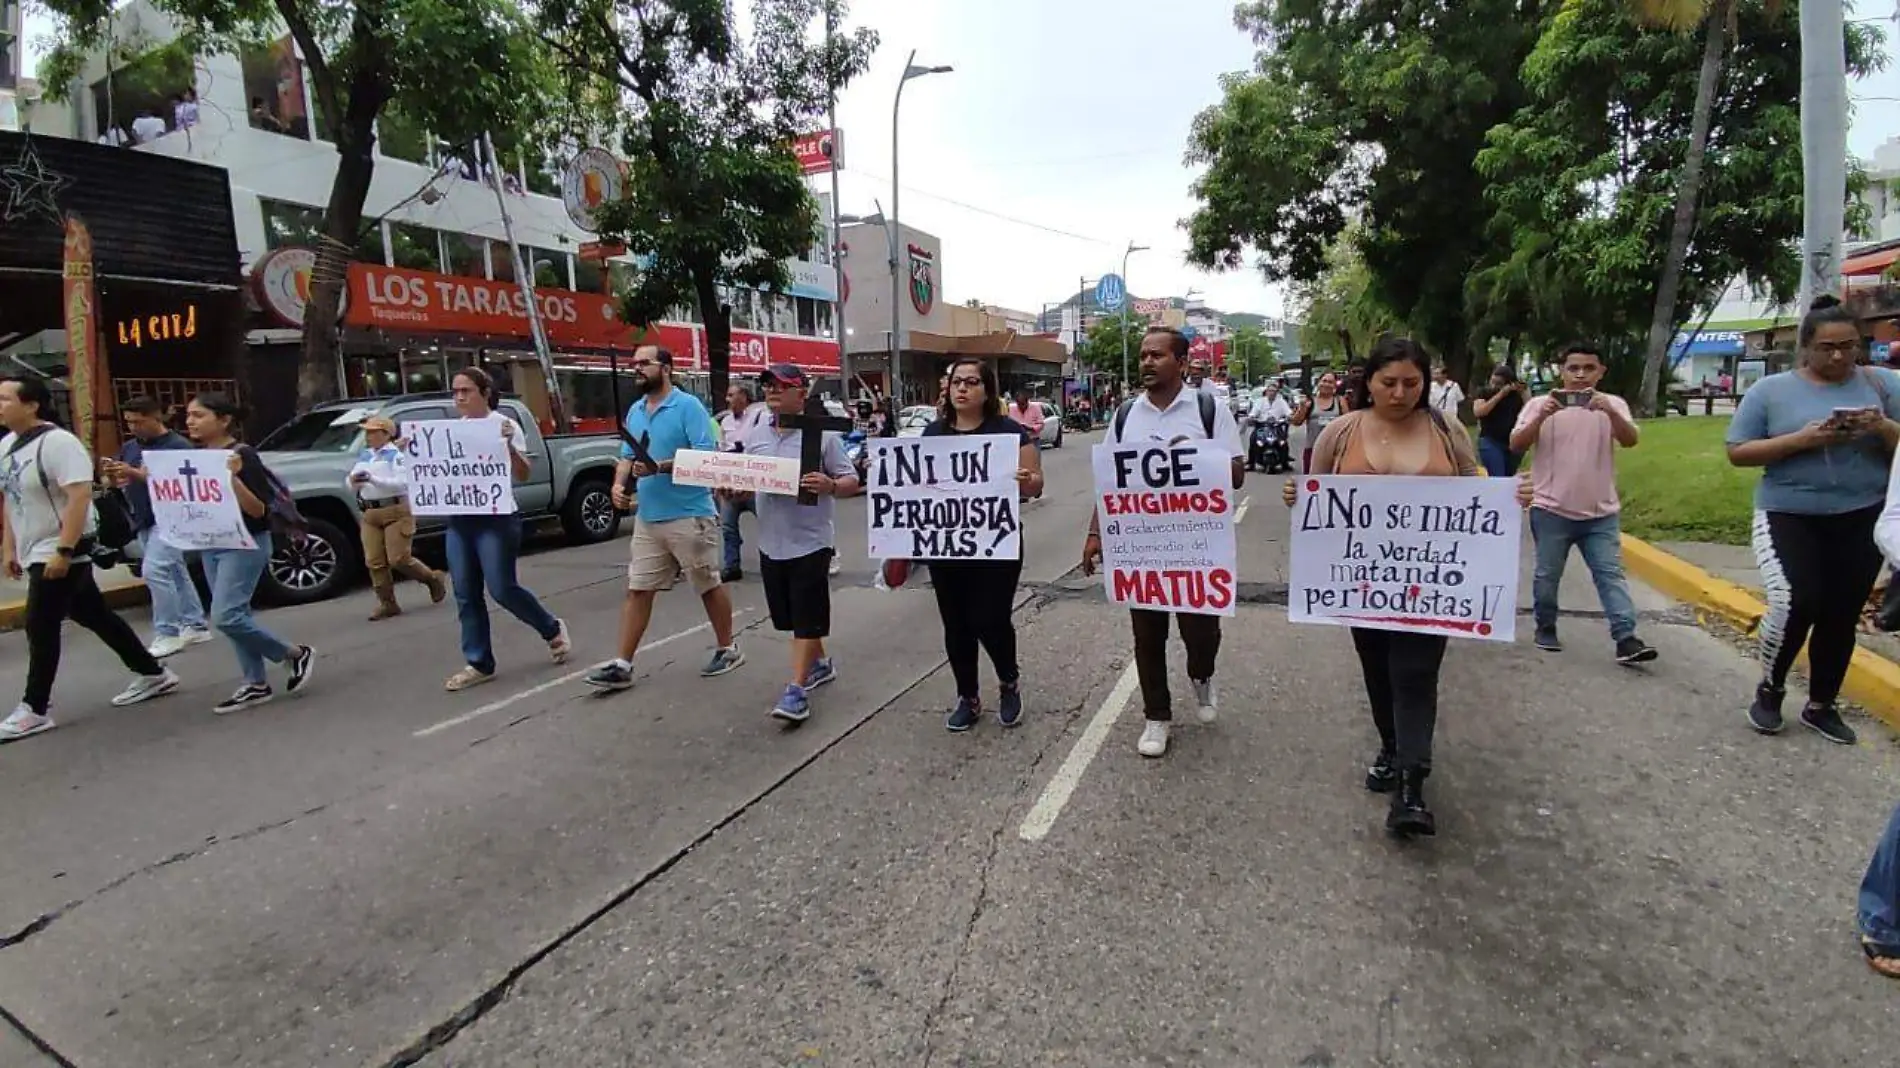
1573, 398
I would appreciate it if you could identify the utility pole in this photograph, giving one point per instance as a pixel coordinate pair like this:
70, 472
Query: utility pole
1823, 147
557, 405
837, 263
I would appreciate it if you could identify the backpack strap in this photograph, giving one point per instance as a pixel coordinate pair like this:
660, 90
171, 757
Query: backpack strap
1121, 416
1207, 413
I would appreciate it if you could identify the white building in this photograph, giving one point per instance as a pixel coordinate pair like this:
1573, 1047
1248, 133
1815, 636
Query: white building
12, 61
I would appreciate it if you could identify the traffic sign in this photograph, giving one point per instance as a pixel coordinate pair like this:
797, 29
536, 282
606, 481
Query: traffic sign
1190, 333
1110, 293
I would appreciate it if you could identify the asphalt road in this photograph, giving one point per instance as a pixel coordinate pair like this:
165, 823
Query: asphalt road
380, 873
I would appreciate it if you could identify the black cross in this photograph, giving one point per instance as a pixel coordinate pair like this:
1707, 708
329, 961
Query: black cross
812, 424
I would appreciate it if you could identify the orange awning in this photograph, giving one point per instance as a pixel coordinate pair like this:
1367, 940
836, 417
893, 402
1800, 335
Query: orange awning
1870, 263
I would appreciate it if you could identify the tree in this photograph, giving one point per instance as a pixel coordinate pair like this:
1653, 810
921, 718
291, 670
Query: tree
1371, 111
1110, 338
1340, 315
460, 68
1250, 354
715, 198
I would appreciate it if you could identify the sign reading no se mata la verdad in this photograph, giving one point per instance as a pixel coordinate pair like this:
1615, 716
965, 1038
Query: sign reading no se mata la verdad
953, 497
459, 467
1166, 512
193, 503
1424, 555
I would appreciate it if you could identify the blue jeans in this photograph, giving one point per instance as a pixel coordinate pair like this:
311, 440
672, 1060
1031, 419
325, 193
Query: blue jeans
482, 550
1601, 543
175, 603
729, 513
233, 574
1498, 459
1880, 889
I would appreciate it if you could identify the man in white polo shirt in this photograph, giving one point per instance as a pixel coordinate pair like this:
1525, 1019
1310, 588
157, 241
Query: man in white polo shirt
1169, 410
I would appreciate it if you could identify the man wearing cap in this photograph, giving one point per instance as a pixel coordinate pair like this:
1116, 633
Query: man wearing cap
798, 541
380, 480
676, 528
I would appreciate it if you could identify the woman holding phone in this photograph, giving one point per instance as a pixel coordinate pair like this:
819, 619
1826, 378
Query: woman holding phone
1824, 436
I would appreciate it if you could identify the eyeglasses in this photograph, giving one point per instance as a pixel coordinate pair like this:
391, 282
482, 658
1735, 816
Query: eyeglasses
646, 363
967, 383
1839, 347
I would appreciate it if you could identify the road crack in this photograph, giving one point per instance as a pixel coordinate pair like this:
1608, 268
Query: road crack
977, 908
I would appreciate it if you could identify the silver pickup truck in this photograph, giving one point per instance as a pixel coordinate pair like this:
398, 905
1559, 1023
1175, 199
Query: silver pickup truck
569, 479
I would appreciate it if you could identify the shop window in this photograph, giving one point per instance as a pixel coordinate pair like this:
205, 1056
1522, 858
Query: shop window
550, 267
827, 327
9, 49
274, 87
465, 255
401, 137
501, 265
744, 314
287, 225
139, 99
417, 248
588, 277
807, 316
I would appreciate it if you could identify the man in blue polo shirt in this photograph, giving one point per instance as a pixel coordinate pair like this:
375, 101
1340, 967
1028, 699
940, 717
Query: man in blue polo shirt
676, 528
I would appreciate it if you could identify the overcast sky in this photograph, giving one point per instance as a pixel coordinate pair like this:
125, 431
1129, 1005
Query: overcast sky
1071, 116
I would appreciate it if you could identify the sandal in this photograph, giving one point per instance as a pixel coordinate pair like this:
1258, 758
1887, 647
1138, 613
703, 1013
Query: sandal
1882, 959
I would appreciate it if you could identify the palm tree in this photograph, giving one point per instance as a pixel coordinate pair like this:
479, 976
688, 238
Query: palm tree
1715, 17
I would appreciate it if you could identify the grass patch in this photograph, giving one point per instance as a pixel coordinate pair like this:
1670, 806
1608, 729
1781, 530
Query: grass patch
1677, 484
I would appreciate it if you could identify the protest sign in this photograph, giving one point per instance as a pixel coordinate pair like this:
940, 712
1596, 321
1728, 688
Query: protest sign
192, 499
736, 471
1426, 555
953, 497
1167, 522
459, 467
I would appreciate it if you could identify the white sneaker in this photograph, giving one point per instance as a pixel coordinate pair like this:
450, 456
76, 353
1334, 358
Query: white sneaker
560, 645
24, 723
146, 687
167, 645
837, 565
195, 635
1206, 700
1154, 739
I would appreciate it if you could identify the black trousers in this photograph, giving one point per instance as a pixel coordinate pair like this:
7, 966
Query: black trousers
974, 599
1816, 572
76, 596
1201, 635
1401, 671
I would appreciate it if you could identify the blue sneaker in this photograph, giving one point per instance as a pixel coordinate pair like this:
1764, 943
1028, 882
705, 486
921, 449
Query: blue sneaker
821, 672
723, 660
792, 707
1009, 710
965, 715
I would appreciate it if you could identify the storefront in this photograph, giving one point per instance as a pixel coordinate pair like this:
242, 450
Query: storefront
166, 312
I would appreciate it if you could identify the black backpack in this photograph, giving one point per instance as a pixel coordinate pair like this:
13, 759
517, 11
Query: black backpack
287, 523
1207, 414
112, 516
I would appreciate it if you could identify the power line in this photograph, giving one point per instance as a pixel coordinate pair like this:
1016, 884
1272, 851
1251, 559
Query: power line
985, 211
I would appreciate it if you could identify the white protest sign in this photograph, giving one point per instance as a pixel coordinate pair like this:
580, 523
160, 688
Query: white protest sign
1426, 555
459, 467
1167, 523
736, 471
953, 497
193, 501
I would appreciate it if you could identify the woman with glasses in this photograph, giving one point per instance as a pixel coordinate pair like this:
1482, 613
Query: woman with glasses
1824, 437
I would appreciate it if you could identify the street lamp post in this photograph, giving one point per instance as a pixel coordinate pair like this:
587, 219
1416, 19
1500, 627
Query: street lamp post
842, 221
911, 70
1132, 248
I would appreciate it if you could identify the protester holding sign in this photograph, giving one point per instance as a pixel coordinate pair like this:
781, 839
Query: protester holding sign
675, 528
484, 550
798, 541
975, 597
178, 615
212, 420
1170, 412
1393, 430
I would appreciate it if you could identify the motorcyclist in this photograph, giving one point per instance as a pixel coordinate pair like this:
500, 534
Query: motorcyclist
1270, 406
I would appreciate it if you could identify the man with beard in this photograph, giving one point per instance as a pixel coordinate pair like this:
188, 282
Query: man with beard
1169, 410
676, 528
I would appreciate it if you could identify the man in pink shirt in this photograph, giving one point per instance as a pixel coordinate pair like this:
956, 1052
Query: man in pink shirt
1028, 414
1573, 477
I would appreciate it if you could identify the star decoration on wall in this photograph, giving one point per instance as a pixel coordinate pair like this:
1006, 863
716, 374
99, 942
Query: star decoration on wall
27, 188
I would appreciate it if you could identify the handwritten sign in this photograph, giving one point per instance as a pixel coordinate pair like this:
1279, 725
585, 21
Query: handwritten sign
1167, 521
192, 499
945, 498
736, 471
1427, 555
459, 467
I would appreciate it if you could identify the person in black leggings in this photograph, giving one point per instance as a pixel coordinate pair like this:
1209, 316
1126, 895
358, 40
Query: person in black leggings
975, 597
1824, 435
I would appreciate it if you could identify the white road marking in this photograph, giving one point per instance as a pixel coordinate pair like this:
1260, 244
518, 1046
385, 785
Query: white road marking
1240, 514
1043, 815
496, 706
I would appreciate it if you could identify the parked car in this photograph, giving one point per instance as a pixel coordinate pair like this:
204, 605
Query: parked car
569, 479
1051, 425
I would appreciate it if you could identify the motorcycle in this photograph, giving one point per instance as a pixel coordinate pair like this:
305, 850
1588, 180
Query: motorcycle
1077, 420
1269, 448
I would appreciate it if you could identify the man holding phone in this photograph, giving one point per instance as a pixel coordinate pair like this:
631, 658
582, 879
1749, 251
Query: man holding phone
1574, 501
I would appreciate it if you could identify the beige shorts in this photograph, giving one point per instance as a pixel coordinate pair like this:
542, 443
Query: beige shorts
659, 551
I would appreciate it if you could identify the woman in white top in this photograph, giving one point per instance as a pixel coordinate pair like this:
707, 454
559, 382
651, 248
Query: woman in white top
380, 481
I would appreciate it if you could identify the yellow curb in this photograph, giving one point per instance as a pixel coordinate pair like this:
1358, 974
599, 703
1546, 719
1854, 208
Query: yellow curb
1873, 681
131, 595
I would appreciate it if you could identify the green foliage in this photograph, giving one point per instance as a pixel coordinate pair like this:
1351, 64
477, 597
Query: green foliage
1102, 348
1677, 484
1251, 354
1340, 316
705, 118
1371, 111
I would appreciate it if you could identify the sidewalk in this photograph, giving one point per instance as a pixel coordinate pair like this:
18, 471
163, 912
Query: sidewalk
1736, 563
122, 589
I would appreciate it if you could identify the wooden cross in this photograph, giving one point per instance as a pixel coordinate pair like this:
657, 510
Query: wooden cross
811, 425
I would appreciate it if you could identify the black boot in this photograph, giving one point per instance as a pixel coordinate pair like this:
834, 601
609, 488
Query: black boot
1408, 815
1381, 776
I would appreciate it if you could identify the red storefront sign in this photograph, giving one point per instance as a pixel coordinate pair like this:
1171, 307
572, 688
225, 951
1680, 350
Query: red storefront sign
811, 353
427, 303
818, 151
